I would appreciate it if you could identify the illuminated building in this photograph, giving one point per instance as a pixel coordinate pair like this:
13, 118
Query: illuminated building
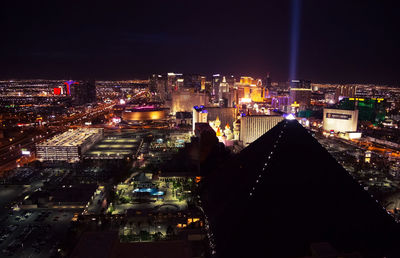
195, 82
279, 102
215, 125
268, 82
345, 91
145, 113
236, 130
223, 86
215, 82
68, 85
203, 83
68, 146
252, 127
183, 118
340, 120
228, 99
199, 115
158, 85
57, 91
369, 109
300, 92
249, 89
184, 100
174, 83
228, 132
225, 115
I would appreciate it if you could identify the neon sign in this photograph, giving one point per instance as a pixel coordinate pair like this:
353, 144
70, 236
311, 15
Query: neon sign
69, 83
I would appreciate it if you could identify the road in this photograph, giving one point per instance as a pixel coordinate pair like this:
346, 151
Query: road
11, 156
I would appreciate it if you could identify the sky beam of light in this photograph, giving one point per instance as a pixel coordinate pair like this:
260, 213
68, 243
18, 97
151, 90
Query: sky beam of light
295, 34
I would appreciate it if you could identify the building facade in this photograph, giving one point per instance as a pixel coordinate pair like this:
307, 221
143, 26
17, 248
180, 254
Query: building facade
300, 92
68, 146
340, 120
252, 127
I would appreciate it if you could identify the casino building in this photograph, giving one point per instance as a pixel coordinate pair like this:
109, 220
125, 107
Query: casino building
145, 113
340, 120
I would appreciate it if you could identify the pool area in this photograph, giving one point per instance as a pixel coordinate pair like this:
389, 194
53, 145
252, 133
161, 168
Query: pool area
152, 191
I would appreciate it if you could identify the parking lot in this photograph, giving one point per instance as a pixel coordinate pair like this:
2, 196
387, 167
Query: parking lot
33, 233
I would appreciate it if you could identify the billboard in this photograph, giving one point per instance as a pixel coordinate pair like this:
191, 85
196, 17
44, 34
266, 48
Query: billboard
57, 91
25, 152
340, 120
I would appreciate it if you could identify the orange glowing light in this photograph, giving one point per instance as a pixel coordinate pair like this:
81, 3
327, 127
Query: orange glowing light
218, 132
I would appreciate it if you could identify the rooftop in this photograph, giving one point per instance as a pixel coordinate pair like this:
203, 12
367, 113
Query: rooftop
72, 137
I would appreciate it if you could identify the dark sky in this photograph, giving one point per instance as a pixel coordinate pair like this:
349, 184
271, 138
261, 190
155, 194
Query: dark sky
340, 41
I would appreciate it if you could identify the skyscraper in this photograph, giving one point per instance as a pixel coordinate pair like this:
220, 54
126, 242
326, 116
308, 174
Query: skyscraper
174, 82
215, 82
158, 86
300, 92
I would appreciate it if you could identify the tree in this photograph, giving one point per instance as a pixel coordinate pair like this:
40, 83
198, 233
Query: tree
158, 236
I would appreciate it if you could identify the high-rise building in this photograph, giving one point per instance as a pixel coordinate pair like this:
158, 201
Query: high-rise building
223, 86
158, 85
194, 82
345, 91
184, 100
215, 82
268, 82
252, 127
199, 115
174, 83
249, 89
202, 83
300, 92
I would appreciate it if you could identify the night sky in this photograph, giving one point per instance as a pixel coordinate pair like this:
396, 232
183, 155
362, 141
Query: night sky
340, 41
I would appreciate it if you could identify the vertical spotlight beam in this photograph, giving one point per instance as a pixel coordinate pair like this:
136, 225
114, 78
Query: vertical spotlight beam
294, 44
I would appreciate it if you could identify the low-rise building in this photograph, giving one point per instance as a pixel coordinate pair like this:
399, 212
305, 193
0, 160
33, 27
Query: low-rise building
68, 146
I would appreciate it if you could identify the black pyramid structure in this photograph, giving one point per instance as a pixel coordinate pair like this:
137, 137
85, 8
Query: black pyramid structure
285, 192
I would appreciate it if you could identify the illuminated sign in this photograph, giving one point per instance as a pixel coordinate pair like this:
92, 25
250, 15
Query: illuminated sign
290, 117
68, 84
116, 120
245, 100
57, 91
295, 104
338, 116
25, 152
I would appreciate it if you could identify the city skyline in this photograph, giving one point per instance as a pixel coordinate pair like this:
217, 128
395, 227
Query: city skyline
199, 129
338, 43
